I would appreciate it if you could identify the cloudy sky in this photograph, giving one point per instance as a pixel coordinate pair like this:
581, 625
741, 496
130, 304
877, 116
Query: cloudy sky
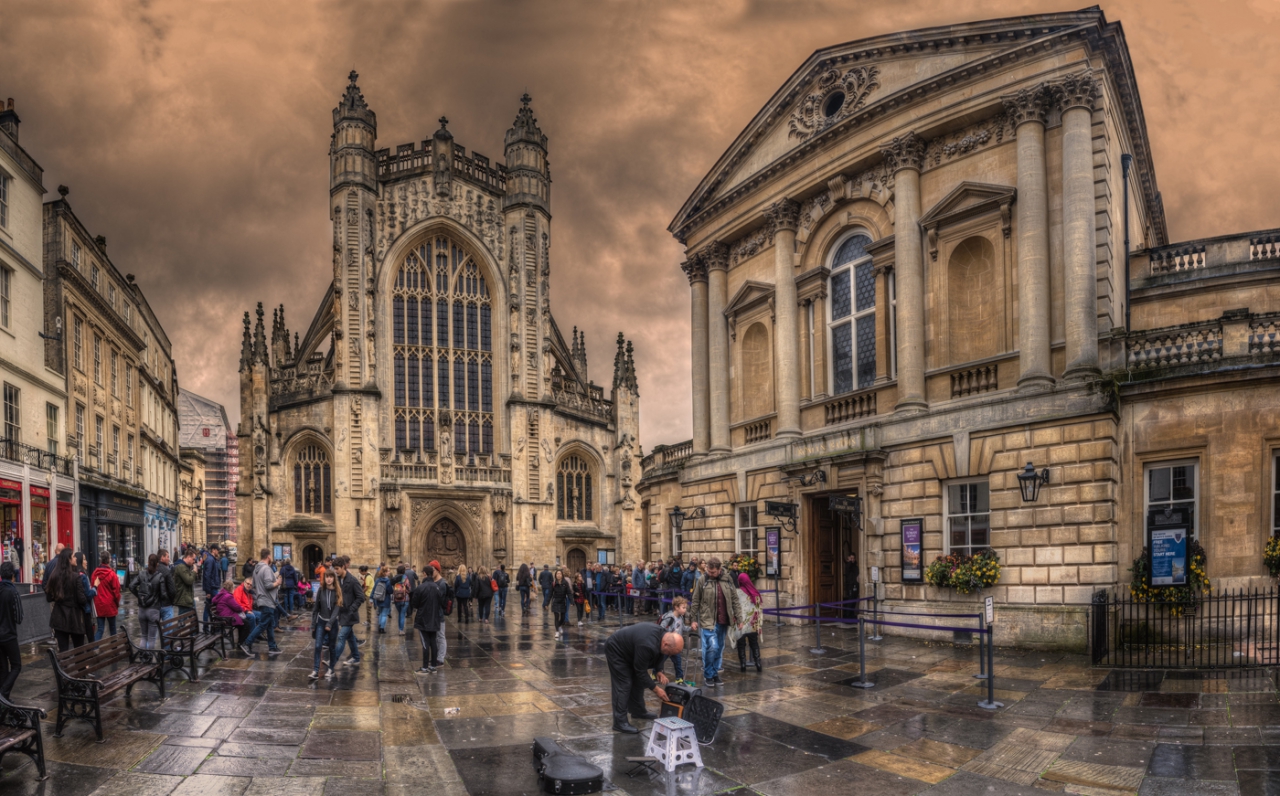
194, 135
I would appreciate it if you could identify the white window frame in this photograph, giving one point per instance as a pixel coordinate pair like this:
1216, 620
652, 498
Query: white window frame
677, 538
1147, 467
1275, 492
75, 254
739, 528
5, 179
51, 425
854, 313
606, 556
111, 295
115, 451
95, 276
77, 343
947, 514
891, 283
99, 436
115, 373
128, 385
80, 431
12, 418
97, 359
6, 292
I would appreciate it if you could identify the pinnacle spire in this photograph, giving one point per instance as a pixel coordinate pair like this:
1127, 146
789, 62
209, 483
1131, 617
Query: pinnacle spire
246, 346
260, 353
353, 106
525, 127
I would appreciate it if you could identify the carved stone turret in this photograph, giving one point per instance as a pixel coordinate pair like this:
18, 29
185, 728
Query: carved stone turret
528, 170
355, 130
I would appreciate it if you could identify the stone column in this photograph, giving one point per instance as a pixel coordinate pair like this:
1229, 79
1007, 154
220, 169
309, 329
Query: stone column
904, 156
820, 387
1027, 109
696, 269
883, 311
1075, 95
806, 351
784, 216
717, 260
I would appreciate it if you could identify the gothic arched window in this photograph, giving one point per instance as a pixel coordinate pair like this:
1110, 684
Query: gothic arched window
853, 316
312, 488
442, 335
573, 490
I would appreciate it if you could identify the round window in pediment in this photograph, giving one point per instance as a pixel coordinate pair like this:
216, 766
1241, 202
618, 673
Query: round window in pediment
833, 104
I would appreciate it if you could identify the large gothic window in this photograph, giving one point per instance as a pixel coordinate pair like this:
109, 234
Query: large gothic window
853, 316
442, 332
311, 486
573, 490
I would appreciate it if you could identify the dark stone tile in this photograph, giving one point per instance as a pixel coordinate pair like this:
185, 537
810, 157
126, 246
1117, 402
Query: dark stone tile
241, 690
965, 783
749, 758
835, 776
489, 731
342, 745
246, 766
1262, 758
1110, 752
1131, 681
610, 750
886, 714
884, 679
1162, 786
1194, 762
1161, 716
1161, 700
1260, 783
64, 779
180, 761
345, 786
796, 737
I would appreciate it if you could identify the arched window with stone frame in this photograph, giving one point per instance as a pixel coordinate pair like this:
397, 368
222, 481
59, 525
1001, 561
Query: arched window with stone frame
574, 490
442, 349
851, 324
312, 480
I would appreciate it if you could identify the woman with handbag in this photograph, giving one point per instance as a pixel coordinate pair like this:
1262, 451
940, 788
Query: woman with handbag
486, 587
324, 623
748, 630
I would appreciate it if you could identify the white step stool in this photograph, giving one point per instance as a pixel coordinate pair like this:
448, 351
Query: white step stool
673, 742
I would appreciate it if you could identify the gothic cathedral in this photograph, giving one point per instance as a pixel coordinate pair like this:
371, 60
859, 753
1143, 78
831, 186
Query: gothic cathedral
432, 409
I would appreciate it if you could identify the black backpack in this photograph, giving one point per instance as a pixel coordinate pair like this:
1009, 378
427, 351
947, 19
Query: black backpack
145, 589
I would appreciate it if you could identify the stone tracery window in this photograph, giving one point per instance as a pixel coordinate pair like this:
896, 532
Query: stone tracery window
312, 487
853, 316
573, 490
442, 332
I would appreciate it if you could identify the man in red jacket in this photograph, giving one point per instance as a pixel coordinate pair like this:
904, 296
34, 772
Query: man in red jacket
107, 600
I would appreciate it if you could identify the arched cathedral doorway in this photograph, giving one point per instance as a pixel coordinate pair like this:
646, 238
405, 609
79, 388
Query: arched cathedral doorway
576, 560
446, 544
312, 555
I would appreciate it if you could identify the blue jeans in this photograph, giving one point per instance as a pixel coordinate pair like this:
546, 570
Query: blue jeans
400, 609
712, 650
255, 627
546, 598
346, 636
502, 601
166, 612
524, 597
323, 640
287, 593
266, 626
384, 613
103, 621
677, 660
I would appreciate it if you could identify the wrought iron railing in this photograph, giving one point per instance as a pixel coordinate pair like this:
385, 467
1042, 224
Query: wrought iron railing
15, 451
1233, 629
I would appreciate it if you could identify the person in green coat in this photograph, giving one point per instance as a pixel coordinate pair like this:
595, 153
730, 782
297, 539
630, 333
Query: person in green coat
184, 578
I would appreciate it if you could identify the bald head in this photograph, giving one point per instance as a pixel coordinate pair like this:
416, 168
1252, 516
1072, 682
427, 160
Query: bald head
672, 644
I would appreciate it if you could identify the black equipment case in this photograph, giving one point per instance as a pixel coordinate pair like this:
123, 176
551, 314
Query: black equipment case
563, 773
678, 699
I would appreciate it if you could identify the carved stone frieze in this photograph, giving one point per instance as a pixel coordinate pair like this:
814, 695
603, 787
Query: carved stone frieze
750, 245
946, 148
904, 152
411, 201
833, 97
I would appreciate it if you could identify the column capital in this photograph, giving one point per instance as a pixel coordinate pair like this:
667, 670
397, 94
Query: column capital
783, 215
716, 256
904, 152
695, 268
1027, 105
1079, 90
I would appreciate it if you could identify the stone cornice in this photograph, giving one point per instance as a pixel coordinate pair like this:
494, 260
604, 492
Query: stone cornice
904, 152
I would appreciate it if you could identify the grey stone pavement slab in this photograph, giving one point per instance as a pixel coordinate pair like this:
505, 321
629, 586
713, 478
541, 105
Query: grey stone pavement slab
257, 726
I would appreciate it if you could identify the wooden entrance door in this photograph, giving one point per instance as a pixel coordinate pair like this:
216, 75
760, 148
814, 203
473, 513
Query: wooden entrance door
826, 553
312, 555
576, 560
446, 544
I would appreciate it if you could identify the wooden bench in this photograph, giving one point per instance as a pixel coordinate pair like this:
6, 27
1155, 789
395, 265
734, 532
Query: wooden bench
184, 637
87, 674
20, 732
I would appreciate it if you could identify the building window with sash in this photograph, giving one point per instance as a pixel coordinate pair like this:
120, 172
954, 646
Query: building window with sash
852, 322
968, 517
6, 285
1172, 485
51, 426
748, 533
12, 413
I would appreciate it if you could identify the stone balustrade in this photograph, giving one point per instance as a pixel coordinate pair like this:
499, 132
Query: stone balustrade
1187, 257
666, 457
972, 381
759, 431
1264, 336
1264, 247
1196, 344
850, 407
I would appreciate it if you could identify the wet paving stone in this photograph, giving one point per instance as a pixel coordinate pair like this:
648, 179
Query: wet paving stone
179, 761
342, 745
1192, 762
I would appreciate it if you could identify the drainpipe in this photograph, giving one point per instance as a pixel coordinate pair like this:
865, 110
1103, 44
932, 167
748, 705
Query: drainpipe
1126, 162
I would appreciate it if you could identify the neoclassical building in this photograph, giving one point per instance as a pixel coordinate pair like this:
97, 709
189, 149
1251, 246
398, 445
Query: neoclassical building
432, 409
931, 258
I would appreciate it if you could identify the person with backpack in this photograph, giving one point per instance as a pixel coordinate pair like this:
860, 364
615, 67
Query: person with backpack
149, 588
366, 581
349, 615
579, 595
381, 596
10, 618
504, 582
429, 619
82, 569
485, 588
545, 581
107, 601
561, 592
171, 589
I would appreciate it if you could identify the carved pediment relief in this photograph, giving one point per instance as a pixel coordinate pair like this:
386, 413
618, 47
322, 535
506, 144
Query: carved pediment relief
966, 200
751, 295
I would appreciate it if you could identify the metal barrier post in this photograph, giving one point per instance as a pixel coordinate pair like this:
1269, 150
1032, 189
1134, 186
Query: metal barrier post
817, 627
862, 657
875, 610
777, 597
990, 702
982, 633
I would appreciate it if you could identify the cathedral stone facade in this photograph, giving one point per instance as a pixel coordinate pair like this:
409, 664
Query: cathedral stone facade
432, 409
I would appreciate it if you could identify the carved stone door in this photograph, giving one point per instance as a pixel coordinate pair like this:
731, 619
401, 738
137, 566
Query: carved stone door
576, 560
446, 544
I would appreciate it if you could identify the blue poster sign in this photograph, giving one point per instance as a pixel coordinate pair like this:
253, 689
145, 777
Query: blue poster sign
773, 551
1168, 556
912, 559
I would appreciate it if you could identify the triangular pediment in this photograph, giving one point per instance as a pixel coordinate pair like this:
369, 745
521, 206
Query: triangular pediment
967, 199
839, 87
749, 295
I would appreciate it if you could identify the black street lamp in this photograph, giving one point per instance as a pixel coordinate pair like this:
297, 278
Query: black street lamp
1029, 482
678, 516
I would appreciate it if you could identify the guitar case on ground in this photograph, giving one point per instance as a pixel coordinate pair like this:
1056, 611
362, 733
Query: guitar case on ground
564, 773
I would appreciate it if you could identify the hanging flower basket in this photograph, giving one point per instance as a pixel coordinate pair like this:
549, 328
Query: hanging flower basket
744, 563
1271, 556
965, 574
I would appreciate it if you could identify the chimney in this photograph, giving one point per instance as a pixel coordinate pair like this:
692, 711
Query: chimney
9, 120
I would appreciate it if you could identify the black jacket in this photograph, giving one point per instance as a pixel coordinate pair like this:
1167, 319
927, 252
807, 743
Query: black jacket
428, 607
352, 599
67, 613
482, 588
10, 611
288, 577
171, 589
639, 648
561, 594
546, 579
326, 610
504, 580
